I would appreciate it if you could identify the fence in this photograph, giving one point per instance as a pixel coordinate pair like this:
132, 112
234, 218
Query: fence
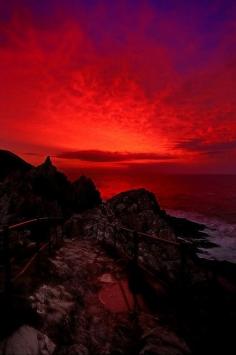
39, 236
38, 231
146, 251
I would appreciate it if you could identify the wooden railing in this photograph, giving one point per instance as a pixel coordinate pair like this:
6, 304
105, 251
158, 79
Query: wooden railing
138, 236
131, 241
43, 238
39, 232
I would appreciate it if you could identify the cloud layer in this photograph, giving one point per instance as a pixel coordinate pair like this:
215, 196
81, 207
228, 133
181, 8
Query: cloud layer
96, 79
106, 156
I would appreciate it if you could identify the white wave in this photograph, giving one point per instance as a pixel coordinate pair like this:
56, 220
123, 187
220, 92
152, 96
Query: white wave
219, 232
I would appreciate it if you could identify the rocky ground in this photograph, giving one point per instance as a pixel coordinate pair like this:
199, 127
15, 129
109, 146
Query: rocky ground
86, 307
89, 298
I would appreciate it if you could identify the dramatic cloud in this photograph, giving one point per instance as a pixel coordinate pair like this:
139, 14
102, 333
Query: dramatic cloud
197, 145
105, 156
155, 79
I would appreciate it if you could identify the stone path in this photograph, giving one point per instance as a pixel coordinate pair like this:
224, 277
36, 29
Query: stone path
88, 301
86, 307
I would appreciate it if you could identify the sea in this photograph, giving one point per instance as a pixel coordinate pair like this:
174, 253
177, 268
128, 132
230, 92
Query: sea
207, 199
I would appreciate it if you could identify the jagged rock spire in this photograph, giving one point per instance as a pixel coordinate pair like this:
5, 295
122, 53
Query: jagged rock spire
47, 166
48, 161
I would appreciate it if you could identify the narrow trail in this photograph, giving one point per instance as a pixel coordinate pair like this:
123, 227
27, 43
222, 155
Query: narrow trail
86, 307
82, 304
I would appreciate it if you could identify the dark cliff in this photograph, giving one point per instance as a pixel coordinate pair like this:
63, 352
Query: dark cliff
11, 164
28, 191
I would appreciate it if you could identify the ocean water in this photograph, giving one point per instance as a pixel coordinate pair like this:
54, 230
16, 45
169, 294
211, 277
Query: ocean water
207, 199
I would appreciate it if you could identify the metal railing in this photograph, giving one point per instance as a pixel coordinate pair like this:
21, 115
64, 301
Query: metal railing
38, 232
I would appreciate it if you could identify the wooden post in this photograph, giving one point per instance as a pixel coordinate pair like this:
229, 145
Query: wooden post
37, 236
62, 232
49, 231
135, 272
136, 247
104, 232
96, 225
7, 262
56, 235
183, 264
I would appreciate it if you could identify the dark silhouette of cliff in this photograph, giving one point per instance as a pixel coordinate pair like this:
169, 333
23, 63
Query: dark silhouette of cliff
29, 192
11, 164
86, 194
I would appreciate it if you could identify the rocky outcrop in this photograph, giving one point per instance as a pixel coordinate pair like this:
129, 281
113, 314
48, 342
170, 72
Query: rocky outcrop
136, 210
163, 255
86, 194
41, 191
27, 341
52, 186
52, 304
44, 191
139, 210
11, 164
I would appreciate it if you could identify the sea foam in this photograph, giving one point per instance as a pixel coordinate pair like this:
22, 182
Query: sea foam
219, 232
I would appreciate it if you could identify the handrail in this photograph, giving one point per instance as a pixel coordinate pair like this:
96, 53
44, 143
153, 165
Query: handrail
30, 222
159, 239
154, 238
23, 225
6, 230
29, 263
136, 239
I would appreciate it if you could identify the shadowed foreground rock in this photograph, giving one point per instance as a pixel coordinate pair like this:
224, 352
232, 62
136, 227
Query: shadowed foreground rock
11, 164
139, 210
91, 298
27, 341
203, 302
75, 311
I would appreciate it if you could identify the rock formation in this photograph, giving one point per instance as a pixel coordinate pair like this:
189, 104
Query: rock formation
40, 191
86, 194
11, 164
27, 341
138, 210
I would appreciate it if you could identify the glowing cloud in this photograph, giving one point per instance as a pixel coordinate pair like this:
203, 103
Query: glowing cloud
154, 79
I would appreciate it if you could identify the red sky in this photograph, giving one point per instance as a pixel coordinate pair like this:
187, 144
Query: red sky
124, 85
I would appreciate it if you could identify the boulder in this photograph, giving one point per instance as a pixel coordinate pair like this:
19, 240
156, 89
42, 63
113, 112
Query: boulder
27, 341
86, 194
139, 210
52, 304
